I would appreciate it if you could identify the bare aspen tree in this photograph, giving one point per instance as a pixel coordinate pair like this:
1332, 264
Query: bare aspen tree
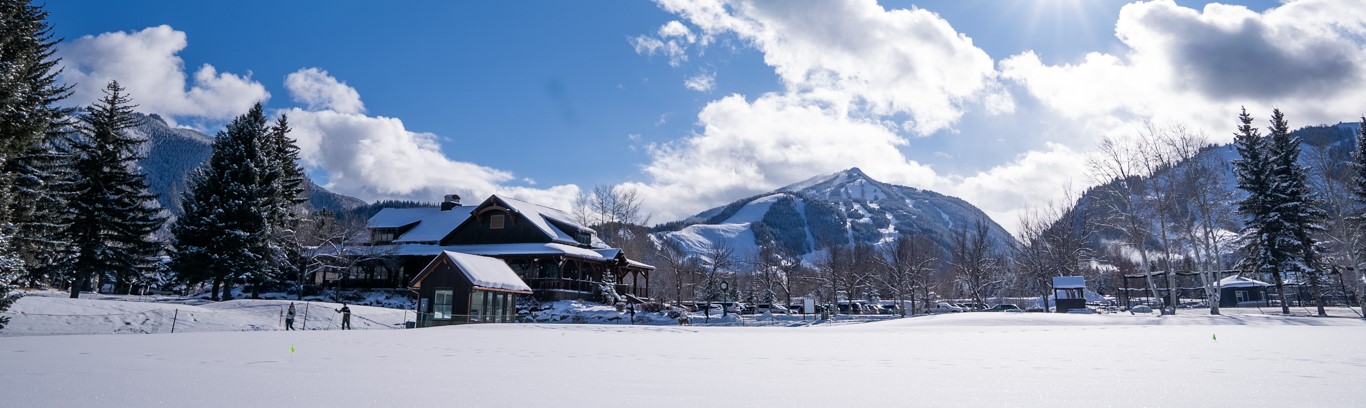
1159, 155
907, 266
1051, 241
1123, 166
971, 259
1203, 215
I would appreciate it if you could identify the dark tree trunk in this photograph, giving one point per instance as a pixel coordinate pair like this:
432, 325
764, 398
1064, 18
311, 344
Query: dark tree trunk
1280, 292
76, 287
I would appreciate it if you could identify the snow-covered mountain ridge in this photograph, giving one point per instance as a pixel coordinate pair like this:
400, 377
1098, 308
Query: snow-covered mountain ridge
843, 208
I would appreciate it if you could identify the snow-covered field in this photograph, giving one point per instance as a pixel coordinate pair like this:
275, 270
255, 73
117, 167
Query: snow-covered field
968, 360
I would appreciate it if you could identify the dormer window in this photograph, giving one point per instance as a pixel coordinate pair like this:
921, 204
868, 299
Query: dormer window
584, 238
496, 221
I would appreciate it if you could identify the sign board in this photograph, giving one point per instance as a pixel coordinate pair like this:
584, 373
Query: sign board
809, 306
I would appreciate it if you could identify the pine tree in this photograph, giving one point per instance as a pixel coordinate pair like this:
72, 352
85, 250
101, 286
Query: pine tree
226, 227
115, 217
1359, 190
194, 235
1253, 171
287, 197
33, 179
1295, 214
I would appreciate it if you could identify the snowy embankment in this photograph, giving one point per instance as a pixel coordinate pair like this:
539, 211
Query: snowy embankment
970, 359
47, 313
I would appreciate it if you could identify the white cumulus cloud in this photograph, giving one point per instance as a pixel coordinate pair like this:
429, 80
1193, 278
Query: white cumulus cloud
315, 88
146, 63
1197, 67
376, 158
858, 56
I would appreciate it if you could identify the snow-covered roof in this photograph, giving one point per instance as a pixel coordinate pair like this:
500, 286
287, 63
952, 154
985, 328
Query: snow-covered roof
487, 272
1068, 282
1241, 282
492, 250
392, 218
541, 216
432, 223
641, 265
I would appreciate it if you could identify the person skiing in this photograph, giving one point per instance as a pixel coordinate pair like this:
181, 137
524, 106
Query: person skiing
346, 317
289, 317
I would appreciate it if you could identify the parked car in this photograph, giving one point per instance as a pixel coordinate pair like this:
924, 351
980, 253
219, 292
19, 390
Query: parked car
765, 307
1005, 308
798, 308
974, 307
946, 308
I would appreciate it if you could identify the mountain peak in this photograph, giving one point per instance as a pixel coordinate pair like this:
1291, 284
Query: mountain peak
849, 175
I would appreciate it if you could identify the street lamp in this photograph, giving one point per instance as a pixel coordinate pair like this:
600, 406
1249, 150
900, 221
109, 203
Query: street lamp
725, 290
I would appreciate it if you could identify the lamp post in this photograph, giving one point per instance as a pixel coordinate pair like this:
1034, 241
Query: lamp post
725, 290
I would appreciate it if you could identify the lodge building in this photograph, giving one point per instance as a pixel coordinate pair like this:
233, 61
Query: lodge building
553, 257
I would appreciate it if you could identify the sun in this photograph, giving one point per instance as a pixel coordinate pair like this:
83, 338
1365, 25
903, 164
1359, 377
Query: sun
1053, 17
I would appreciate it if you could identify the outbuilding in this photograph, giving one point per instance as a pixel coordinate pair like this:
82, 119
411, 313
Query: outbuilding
459, 288
1237, 291
1069, 292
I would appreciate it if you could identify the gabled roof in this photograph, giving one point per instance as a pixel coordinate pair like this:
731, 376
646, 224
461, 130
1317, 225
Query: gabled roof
545, 218
482, 271
432, 223
1068, 282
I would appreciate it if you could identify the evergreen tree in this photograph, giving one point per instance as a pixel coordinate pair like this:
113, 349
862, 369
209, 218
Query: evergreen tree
287, 197
224, 234
1359, 190
115, 217
1295, 214
1253, 172
34, 176
8, 274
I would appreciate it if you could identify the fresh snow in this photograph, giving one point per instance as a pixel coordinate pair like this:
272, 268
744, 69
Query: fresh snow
754, 210
432, 223
963, 359
482, 271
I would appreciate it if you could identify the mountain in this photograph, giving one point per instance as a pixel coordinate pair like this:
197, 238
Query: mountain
170, 154
837, 209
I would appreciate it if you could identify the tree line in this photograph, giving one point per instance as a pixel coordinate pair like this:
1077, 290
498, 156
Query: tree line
75, 211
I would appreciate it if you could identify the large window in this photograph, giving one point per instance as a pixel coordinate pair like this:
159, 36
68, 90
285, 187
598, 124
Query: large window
442, 307
477, 305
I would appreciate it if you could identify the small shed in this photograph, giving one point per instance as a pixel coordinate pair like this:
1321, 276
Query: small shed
1069, 292
1237, 291
464, 288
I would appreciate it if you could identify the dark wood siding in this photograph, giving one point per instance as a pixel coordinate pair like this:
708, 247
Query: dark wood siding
476, 230
446, 276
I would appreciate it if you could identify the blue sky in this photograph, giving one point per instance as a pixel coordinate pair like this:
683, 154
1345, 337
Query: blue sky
995, 101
